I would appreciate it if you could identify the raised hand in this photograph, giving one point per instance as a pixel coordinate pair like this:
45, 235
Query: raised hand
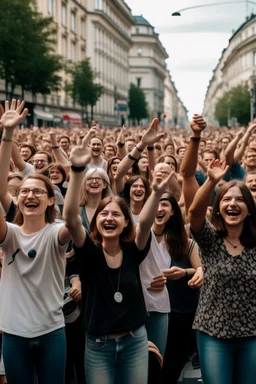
80, 155
160, 184
121, 137
198, 124
151, 135
13, 114
216, 170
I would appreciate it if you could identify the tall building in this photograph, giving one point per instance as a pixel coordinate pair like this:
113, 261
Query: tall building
236, 66
147, 65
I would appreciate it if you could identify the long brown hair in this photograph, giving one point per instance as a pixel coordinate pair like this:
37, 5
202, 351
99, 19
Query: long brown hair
248, 235
50, 213
128, 234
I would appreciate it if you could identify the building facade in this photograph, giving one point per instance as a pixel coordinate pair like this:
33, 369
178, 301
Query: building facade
236, 66
147, 65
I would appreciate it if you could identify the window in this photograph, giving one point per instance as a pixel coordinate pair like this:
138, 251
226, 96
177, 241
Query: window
83, 31
138, 82
73, 51
139, 51
51, 7
137, 30
64, 46
64, 14
73, 21
99, 4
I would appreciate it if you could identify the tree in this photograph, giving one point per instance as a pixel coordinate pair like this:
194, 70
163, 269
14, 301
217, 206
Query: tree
137, 104
27, 49
235, 103
82, 87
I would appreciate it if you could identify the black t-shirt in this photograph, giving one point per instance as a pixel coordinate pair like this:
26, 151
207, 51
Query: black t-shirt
103, 315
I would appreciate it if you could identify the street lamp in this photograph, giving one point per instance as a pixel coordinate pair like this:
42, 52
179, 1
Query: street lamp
177, 13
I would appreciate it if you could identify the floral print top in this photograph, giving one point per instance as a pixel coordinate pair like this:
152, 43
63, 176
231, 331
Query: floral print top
227, 304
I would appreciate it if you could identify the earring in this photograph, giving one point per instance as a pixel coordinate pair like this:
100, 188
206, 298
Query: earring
218, 213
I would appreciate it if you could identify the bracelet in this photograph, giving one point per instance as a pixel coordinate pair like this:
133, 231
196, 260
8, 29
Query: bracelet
195, 138
138, 149
55, 146
131, 157
186, 272
5, 139
150, 148
77, 169
120, 144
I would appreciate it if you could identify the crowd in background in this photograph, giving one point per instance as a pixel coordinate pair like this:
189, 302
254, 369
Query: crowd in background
133, 237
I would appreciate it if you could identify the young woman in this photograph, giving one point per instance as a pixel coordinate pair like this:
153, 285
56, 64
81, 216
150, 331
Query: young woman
33, 273
226, 315
116, 342
113, 163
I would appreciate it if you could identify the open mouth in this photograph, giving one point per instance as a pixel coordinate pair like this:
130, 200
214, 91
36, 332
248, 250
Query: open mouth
109, 227
233, 213
138, 194
31, 205
160, 216
253, 188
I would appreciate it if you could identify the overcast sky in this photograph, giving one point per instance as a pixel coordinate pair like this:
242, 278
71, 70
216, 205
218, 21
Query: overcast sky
194, 41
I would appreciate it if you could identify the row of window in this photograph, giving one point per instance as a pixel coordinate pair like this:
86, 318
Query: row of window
103, 5
72, 51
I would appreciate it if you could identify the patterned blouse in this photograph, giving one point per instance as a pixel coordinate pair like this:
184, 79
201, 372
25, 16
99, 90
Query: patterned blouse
227, 304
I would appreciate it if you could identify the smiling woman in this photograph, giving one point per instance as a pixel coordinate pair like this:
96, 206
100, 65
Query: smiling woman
34, 262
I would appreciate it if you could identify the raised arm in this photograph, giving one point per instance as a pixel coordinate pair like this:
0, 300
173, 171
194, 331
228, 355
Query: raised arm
232, 153
148, 139
148, 212
189, 162
12, 116
79, 157
198, 208
120, 142
59, 154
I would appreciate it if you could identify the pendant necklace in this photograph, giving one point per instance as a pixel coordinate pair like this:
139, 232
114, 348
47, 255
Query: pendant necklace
234, 246
118, 297
156, 234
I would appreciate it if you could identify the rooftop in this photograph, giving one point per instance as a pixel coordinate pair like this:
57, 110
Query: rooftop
141, 21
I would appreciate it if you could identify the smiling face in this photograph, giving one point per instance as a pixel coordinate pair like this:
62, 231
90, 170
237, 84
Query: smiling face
143, 164
25, 153
169, 150
137, 191
64, 143
30, 205
55, 176
250, 182
110, 222
164, 212
94, 183
232, 207
114, 166
40, 161
109, 151
250, 159
96, 147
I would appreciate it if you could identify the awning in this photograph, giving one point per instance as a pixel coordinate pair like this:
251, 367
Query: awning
43, 115
73, 117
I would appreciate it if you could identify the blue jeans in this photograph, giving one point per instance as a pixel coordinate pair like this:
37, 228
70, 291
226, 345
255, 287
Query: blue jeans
227, 361
44, 355
157, 329
124, 358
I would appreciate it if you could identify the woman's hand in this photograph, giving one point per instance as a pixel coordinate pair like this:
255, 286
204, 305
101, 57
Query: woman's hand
75, 291
216, 170
198, 124
174, 273
160, 184
197, 280
151, 136
80, 155
13, 115
158, 283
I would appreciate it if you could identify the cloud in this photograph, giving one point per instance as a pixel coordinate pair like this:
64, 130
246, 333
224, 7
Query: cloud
202, 65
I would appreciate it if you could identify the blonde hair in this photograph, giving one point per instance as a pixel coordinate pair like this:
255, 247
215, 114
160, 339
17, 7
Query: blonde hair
106, 191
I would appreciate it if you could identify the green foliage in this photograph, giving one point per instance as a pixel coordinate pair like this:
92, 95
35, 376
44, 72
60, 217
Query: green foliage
27, 48
137, 104
234, 104
82, 87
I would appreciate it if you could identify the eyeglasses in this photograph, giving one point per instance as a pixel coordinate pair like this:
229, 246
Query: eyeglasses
39, 161
37, 192
91, 179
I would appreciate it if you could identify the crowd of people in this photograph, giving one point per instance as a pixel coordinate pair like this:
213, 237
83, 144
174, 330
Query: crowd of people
124, 250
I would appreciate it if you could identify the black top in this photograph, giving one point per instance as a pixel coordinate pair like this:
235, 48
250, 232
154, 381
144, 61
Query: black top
183, 298
103, 315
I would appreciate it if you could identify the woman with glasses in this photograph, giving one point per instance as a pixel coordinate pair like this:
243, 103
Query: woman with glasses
109, 258
32, 282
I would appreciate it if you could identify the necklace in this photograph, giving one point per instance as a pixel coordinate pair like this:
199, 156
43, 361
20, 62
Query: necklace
156, 234
234, 246
111, 254
118, 297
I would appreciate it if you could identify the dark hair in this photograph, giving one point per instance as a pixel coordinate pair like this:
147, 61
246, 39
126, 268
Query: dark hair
136, 169
64, 137
58, 166
110, 162
211, 151
128, 184
174, 231
31, 147
128, 234
49, 157
50, 213
162, 157
248, 235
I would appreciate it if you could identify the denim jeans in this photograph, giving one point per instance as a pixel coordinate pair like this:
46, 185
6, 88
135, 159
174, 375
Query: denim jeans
124, 358
227, 361
157, 329
44, 355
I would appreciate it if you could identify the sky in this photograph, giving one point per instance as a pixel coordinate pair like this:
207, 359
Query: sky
194, 41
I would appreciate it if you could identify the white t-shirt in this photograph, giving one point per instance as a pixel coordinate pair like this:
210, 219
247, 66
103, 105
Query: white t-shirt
29, 168
32, 282
158, 258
